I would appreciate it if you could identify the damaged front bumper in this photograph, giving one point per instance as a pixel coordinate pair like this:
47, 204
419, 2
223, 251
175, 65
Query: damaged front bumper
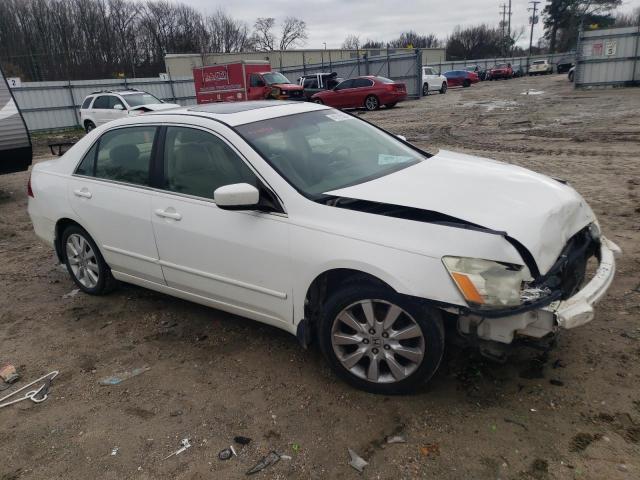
538, 322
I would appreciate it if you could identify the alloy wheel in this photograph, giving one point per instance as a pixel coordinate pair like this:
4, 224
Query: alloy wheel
82, 261
378, 341
371, 103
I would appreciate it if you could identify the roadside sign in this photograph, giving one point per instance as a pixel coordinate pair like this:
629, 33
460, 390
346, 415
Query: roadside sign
14, 82
610, 48
164, 77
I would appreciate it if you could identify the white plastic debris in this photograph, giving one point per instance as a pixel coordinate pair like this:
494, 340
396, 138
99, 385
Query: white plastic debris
357, 461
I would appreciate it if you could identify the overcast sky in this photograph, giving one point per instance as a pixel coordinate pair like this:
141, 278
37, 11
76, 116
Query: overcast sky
332, 20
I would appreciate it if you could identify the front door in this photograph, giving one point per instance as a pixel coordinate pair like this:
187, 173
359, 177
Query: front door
257, 89
110, 194
237, 260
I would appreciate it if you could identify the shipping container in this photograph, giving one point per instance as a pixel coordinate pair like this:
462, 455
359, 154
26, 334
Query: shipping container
15, 141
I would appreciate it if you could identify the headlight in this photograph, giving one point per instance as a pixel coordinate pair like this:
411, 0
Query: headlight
488, 284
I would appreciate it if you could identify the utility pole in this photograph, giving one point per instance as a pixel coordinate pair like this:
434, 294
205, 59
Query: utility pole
509, 28
534, 20
503, 24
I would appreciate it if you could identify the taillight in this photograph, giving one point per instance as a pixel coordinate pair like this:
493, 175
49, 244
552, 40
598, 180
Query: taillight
29, 189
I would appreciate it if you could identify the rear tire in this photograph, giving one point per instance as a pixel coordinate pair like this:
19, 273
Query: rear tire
371, 103
318, 101
466, 84
88, 126
425, 90
391, 105
380, 363
85, 263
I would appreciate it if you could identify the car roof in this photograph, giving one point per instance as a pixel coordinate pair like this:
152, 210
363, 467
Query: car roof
240, 113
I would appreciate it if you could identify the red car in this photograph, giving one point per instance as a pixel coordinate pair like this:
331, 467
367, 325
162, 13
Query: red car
502, 70
369, 92
461, 78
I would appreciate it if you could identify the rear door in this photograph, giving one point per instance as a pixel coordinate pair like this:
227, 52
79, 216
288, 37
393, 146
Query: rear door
110, 193
100, 109
237, 260
257, 88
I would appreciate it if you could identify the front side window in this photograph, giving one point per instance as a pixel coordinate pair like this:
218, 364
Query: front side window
326, 150
310, 83
255, 80
102, 102
197, 163
345, 84
122, 155
115, 103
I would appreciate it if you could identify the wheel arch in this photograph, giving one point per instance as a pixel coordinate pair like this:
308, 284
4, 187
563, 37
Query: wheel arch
328, 281
61, 226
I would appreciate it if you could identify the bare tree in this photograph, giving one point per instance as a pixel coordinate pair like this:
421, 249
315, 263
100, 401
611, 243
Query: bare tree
227, 34
294, 32
351, 42
263, 38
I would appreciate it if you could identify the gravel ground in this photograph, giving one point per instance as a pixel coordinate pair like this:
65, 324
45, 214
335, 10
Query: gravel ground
571, 414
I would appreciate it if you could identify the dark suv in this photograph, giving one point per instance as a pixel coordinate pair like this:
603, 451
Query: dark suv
318, 82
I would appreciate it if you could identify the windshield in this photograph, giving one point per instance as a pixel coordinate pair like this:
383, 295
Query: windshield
275, 77
501, 65
137, 99
325, 150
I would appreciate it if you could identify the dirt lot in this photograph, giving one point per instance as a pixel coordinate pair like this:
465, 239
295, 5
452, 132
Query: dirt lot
574, 413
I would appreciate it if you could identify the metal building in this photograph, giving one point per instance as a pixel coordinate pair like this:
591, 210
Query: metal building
182, 64
608, 57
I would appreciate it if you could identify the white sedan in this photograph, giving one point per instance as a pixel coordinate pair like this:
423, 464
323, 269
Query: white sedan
319, 223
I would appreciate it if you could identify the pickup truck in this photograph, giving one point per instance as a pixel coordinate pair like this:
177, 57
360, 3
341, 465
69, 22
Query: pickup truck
318, 82
243, 80
540, 67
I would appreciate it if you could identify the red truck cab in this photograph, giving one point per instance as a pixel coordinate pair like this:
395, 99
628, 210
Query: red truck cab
243, 80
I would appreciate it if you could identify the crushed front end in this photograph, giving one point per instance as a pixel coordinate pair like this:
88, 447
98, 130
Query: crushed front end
561, 298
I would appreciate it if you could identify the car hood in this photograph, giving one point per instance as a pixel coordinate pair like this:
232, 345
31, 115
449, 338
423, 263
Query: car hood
539, 212
154, 107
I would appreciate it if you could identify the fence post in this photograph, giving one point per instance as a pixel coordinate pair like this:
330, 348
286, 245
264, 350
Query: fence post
173, 93
576, 72
358, 60
73, 104
304, 65
388, 64
419, 72
366, 63
330, 67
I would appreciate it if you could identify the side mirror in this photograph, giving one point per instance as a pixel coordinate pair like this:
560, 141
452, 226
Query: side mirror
238, 196
118, 106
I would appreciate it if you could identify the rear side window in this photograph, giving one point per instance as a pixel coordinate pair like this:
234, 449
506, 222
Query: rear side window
102, 102
362, 82
86, 103
122, 155
256, 80
310, 83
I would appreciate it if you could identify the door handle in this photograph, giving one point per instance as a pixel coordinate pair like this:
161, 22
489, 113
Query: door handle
82, 193
172, 215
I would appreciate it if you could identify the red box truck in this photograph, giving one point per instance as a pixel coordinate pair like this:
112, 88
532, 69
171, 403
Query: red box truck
243, 80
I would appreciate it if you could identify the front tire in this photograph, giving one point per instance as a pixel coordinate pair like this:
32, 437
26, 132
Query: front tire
85, 263
443, 89
318, 101
425, 90
380, 341
466, 84
391, 105
88, 126
371, 103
